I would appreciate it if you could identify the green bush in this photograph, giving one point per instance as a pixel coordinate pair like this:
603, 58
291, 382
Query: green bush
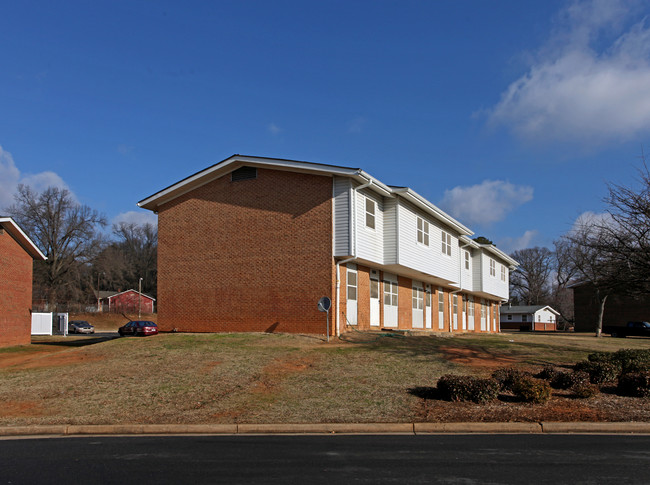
548, 373
627, 360
532, 390
585, 390
507, 377
467, 388
567, 380
601, 371
636, 384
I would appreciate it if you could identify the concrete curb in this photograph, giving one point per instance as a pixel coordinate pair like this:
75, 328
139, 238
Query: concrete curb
328, 428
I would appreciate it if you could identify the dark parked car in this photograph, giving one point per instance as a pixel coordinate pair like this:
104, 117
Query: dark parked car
80, 326
638, 329
138, 327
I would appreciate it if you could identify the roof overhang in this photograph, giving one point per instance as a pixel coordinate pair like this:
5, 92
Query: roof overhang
9, 225
497, 252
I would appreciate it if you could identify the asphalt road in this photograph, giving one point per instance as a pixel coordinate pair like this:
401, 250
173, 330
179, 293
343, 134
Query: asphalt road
457, 459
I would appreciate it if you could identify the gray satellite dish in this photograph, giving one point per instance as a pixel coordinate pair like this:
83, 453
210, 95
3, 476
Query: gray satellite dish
324, 304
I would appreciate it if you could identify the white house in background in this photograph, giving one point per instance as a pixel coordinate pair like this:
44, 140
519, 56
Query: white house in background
529, 318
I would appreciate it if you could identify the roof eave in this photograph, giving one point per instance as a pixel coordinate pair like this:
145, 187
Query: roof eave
19, 235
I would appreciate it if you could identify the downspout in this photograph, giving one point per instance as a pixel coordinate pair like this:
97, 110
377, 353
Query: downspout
353, 243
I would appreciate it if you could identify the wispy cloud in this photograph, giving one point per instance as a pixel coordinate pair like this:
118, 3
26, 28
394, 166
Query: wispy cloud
137, 217
526, 240
274, 129
486, 202
589, 83
356, 125
10, 177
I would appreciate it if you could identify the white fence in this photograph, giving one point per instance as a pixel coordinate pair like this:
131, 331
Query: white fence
44, 323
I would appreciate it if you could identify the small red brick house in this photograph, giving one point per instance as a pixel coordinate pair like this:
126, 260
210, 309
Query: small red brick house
17, 255
253, 243
531, 318
127, 301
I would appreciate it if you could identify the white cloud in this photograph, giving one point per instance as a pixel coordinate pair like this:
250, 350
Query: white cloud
274, 129
590, 82
137, 217
509, 245
601, 219
10, 177
486, 202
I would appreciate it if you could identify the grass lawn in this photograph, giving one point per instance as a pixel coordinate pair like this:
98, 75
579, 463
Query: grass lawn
277, 378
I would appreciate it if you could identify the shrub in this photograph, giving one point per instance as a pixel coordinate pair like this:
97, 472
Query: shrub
627, 360
547, 373
600, 371
566, 380
532, 390
507, 377
635, 384
585, 390
467, 388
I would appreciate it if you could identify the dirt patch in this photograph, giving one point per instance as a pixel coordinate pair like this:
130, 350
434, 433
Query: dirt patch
209, 366
46, 358
20, 409
477, 358
275, 372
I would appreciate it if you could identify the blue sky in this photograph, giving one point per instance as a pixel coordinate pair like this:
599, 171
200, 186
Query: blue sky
510, 115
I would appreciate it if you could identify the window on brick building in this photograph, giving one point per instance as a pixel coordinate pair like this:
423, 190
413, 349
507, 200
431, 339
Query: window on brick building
352, 284
418, 298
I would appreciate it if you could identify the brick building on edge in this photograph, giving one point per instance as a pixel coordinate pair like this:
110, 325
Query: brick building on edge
17, 255
252, 244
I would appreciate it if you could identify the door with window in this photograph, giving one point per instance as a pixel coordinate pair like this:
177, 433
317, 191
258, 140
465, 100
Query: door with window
427, 307
441, 309
470, 313
483, 316
374, 298
390, 300
417, 298
464, 307
351, 311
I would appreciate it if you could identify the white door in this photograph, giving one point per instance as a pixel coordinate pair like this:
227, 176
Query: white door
351, 312
470, 313
374, 298
494, 317
483, 316
441, 309
455, 312
427, 307
417, 298
390, 300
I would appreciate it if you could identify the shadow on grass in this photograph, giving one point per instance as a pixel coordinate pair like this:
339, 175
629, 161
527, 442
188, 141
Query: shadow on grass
74, 342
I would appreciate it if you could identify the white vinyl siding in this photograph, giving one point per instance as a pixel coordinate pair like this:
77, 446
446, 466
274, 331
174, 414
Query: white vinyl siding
370, 241
390, 231
342, 189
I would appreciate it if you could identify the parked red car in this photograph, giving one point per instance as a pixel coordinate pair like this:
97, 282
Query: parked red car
138, 327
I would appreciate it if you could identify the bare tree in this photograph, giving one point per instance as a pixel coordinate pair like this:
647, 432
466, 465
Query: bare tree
66, 231
139, 246
530, 282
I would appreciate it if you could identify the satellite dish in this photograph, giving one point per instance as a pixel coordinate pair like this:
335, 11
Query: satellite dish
324, 304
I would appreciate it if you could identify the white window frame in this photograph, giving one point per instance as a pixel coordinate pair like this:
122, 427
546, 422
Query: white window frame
371, 215
446, 243
441, 301
391, 295
417, 299
352, 285
503, 272
422, 230
467, 265
493, 268
470, 309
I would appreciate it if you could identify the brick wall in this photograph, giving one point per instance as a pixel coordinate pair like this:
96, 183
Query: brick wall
15, 292
128, 302
619, 309
252, 255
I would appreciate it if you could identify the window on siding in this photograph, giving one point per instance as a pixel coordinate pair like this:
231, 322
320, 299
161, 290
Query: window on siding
243, 173
524, 318
390, 293
446, 243
418, 298
352, 284
509, 317
503, 272
493, 267
466, 259
371, 207
423, 231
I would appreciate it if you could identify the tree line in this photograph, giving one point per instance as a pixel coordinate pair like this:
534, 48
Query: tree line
82, 257
611, 253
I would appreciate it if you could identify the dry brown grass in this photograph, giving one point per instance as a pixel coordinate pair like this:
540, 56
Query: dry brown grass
254, 378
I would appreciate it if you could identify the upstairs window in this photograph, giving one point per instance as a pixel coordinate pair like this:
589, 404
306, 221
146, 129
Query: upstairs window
423, 231
243, 173
371, 207
503, 273
467, 260
446, 243
493, 267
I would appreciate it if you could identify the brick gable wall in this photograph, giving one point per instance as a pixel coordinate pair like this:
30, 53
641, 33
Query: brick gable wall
252, 255
15, 292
